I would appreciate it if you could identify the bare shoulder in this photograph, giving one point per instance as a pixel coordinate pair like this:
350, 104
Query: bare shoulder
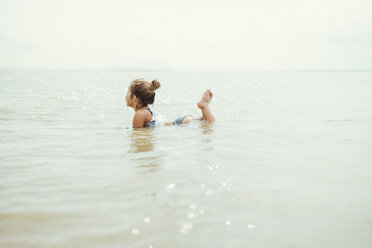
141, 117
142, 113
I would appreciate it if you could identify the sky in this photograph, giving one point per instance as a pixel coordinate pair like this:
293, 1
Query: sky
186, 34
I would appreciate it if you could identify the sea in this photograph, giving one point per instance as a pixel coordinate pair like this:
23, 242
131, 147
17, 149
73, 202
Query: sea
288, 162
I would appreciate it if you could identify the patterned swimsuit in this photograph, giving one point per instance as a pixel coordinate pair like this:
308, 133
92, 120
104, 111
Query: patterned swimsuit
159, 120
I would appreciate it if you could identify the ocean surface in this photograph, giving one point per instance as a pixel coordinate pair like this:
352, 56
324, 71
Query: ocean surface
288, 162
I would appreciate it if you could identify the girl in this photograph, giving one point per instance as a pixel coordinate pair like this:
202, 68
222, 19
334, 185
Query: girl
142, 93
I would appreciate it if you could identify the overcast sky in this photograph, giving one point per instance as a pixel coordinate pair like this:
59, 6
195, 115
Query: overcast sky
190, 34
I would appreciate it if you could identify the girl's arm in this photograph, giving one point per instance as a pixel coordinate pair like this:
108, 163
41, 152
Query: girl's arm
139, 118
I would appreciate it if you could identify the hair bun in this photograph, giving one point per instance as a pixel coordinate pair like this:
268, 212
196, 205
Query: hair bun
155, 84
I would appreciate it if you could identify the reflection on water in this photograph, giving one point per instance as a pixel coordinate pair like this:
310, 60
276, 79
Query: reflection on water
142, 140
206, 131
142, 146
145, 154
206, 127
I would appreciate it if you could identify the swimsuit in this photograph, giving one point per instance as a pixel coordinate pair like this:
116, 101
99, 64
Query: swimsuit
180, 119
156, 120
159, 120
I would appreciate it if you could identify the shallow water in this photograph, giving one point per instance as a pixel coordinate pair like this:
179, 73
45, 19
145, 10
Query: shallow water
287, 164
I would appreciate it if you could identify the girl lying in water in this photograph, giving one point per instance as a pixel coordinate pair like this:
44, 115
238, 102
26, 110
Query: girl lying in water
142, 93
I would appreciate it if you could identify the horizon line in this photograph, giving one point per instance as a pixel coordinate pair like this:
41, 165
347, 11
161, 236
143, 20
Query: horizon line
170, 69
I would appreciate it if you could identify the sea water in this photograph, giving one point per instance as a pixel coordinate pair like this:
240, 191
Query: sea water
287, 164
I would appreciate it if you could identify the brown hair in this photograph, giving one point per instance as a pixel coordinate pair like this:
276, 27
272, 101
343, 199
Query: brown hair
144, 91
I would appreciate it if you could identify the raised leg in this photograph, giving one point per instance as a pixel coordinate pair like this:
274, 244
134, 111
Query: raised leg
203, 104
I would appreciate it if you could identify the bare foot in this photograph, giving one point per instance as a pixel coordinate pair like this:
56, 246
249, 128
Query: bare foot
203, 104
205, 100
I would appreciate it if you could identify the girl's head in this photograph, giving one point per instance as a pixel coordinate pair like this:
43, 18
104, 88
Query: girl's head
141, 93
